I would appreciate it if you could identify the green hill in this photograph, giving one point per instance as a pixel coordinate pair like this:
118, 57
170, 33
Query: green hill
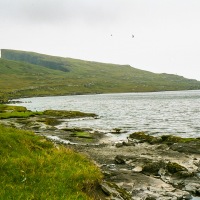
25, 74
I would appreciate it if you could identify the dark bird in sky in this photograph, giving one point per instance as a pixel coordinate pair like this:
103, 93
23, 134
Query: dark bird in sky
132, 36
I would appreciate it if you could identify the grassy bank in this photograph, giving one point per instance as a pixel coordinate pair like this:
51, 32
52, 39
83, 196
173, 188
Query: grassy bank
8, 111
32, 168
16, 112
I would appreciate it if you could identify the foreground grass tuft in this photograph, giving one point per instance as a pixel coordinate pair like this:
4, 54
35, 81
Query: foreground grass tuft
32, 168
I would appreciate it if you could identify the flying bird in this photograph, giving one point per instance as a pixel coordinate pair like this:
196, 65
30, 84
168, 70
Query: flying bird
132, 36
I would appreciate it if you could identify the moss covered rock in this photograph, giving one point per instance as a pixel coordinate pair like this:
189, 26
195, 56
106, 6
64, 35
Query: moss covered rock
153, 167
68, 114
175, 167
142, 136
187, 147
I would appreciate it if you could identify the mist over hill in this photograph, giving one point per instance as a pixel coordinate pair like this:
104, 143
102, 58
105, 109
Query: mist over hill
25, 74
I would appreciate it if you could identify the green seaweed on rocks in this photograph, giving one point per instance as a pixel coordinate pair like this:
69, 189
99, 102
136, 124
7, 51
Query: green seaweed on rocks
164, 139
153, 167
170, 139
142, 136
51, 121
68, 114
173, 167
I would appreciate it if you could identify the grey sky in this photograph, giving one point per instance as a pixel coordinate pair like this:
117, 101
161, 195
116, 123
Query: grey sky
166, 32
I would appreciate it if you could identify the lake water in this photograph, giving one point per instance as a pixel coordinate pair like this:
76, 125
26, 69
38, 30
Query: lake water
176, 112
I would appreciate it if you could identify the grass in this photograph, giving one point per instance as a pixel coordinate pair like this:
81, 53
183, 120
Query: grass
33, 74
7, 111
12, 108
32, 168
82, 134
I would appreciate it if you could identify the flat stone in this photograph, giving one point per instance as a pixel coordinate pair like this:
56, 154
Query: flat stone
137, 169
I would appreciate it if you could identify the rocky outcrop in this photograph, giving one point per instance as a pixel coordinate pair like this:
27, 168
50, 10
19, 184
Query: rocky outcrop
148, 168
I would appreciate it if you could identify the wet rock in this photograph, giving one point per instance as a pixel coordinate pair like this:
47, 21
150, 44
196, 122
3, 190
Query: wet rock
153, 167
163, 147
68, 114
187, 197
175, 167
119, 144
191, 147
76, 129
142, 136
116, 131
120, 159
151, 197
114, 192
137, 169
197, 163
184, 174
193, 188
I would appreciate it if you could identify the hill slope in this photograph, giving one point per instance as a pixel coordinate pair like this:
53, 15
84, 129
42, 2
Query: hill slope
32, 74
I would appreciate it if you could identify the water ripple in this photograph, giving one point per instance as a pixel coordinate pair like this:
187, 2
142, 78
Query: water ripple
176, 113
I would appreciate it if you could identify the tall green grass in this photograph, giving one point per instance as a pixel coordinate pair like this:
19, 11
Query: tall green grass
32, 168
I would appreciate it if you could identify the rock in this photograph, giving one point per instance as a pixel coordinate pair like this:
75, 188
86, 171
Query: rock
142, 136
119, 144
187, 197
175, 167
163, 147
151, 197
190, 188
114, 192
119, 159
116, 131
193, 188
128, 143
137, 169
190, 147
197, 163
184, 174
161, 172
153, 167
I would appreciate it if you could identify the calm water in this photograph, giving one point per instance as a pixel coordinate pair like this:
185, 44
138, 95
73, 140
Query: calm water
176, 113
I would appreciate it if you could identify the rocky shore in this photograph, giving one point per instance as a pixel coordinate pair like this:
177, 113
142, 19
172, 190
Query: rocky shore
141, 168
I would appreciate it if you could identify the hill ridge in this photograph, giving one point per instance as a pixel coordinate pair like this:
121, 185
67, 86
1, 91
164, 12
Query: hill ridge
35, 74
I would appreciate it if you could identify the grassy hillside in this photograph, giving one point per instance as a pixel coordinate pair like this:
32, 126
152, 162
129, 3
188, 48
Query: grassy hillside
32, 74
33, 168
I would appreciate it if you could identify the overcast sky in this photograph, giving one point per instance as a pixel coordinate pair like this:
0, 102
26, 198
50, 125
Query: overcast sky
166, 32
